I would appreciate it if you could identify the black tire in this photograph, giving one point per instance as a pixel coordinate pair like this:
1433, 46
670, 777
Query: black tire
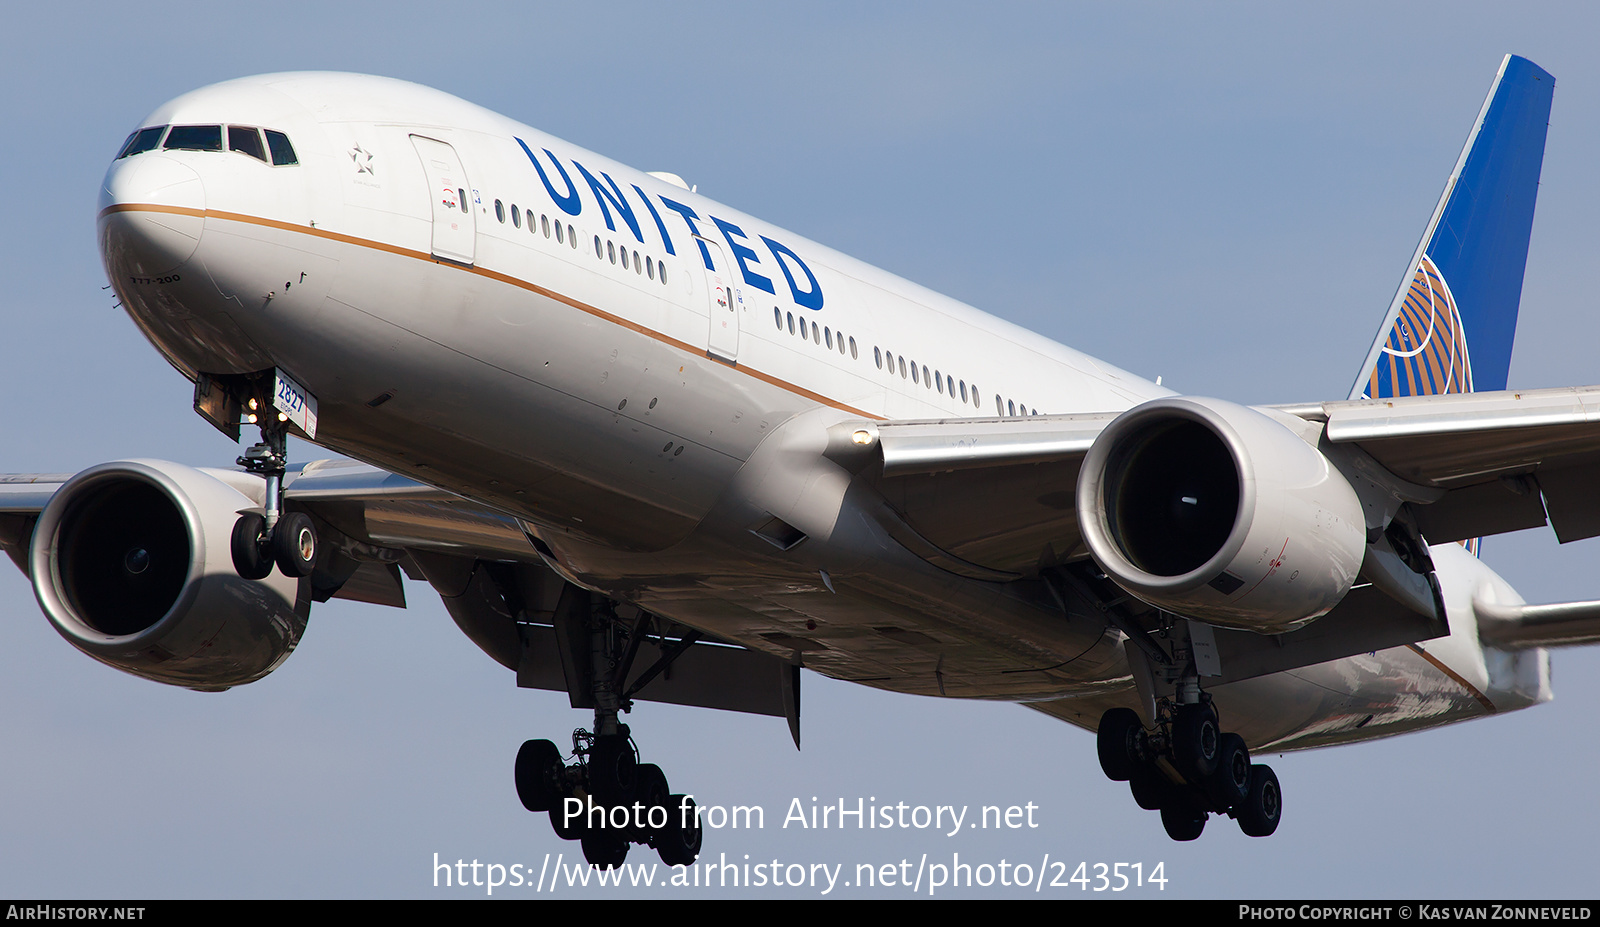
249, 560
1183, 820
1230, 782
651, 792
1195, 741
538, 775
605, 849
613, 770
1117, 743
1262, 808
575, 831
294, 544
678, 844
1149, 786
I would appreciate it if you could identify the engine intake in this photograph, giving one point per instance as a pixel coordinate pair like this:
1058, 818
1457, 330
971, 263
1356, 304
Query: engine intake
131, 564
1222, 513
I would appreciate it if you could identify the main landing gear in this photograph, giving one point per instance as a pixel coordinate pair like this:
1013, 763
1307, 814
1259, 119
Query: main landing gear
608, 800
1187, 768
285, 539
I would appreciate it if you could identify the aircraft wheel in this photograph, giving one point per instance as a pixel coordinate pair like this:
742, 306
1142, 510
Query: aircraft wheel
1117, 743
574, 831
294, 544
604, 849
613, 770
537, 784
1149, 787
652, 792
678, 844
1262, 808
1230, 783
1182, 820
1195, 741
249, 560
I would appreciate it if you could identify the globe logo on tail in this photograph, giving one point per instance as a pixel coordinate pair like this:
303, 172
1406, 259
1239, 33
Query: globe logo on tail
1425, 353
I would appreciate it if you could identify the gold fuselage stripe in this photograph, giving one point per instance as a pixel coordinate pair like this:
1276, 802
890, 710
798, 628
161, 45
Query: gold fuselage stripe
507, 279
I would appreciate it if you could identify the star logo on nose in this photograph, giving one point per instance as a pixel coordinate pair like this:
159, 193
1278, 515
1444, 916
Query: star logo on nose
362, 159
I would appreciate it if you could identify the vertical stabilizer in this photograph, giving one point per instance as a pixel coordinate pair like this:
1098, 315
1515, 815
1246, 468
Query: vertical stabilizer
1451, 325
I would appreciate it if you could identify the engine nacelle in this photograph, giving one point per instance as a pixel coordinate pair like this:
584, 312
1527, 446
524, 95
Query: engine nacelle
131, 563
1218, 512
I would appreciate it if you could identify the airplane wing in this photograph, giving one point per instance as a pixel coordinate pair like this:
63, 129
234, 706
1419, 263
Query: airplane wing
1488, 462
998, 495
374, 525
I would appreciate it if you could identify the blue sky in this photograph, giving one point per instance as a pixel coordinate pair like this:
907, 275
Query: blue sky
1223, 195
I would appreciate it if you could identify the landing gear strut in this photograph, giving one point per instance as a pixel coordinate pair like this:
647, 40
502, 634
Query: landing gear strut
287, 539
1185, 765
606, 798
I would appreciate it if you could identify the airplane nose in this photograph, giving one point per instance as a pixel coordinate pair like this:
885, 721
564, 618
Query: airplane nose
152, 213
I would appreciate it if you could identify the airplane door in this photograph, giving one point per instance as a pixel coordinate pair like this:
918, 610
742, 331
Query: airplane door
723, 342
454, 231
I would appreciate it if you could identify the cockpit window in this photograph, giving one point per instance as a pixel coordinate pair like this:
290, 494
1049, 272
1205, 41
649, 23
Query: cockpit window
247, 140
195, 138
142, 140
282, 151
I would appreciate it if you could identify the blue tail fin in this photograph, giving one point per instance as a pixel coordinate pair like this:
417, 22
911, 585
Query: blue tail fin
1451, 325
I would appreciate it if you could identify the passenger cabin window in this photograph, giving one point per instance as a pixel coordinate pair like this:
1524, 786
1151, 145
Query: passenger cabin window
283, 152
500, 211
195, 138
142, 140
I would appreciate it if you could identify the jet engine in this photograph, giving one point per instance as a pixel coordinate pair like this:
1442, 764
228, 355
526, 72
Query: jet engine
132, 565
1222, 513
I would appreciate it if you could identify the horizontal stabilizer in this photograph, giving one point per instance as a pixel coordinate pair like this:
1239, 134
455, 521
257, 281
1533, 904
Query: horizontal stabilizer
1516, 627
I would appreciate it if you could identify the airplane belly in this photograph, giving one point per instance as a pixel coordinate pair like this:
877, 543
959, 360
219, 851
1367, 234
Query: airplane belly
836, 593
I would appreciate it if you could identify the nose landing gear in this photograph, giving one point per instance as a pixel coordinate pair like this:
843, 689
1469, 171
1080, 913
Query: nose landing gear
287, 539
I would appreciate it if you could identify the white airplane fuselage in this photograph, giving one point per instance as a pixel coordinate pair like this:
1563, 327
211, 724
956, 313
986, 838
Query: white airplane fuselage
515, 352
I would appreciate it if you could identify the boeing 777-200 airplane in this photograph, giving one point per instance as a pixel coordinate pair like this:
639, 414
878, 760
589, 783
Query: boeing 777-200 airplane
646, 446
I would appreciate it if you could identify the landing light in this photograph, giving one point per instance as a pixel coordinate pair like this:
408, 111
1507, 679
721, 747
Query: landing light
862, 437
